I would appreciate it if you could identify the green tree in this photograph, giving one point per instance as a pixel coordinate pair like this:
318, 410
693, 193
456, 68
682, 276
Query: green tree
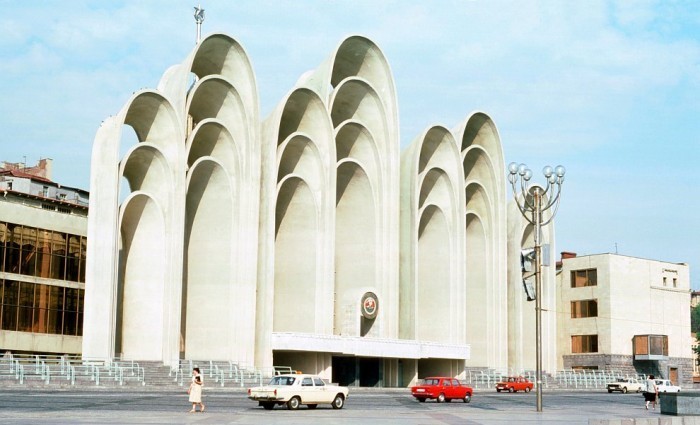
695, 327
695, 319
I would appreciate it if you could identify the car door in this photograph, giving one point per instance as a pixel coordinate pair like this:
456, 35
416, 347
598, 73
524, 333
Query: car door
307, 390
321, 391
447, 388
458, 391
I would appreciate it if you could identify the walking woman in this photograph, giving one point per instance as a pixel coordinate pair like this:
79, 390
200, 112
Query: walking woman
195, 391
651, 393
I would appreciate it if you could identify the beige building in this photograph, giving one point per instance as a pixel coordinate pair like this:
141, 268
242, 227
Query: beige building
43, 244
620, 312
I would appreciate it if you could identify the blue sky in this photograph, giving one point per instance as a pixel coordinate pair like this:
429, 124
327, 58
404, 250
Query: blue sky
610, 90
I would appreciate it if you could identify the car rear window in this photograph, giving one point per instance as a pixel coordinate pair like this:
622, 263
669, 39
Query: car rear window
431, 381
282, 380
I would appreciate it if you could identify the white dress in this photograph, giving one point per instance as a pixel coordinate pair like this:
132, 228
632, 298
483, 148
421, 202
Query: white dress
196, 391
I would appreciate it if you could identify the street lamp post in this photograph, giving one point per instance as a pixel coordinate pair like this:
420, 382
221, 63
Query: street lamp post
535, 201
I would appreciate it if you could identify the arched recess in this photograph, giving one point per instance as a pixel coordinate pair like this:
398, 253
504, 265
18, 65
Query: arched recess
353, 140
210, 241
355, 243
142, 276
299, 155
296, 252
479, 273
433, 276
436, 188
212, 139
432, 197
216, 97
146, 170
358, 114
358, 56
297, 185
219, 54
141, 279
356, 81
357, 100
486, 236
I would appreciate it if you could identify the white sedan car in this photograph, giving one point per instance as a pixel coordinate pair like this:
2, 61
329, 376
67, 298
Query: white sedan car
665, 386
297, 389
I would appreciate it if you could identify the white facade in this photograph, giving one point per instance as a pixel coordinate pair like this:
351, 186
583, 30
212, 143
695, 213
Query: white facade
634, 296
259, 242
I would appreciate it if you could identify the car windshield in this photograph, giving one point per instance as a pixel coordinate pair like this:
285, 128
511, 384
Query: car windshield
282, 380
431, 381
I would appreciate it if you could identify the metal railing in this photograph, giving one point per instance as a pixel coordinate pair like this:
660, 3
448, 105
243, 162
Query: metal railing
567, 379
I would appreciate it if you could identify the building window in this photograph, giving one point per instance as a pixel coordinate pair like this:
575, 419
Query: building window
584, 308
675, 282
650, 345
581, 278
45, 191
37, 308
584, 344
664, 280
42, 253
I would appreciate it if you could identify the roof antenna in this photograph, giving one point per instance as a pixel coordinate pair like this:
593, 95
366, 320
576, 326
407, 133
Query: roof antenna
199, 18
616, 248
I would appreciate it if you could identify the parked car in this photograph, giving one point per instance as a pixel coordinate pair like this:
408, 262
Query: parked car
514, 384
625, 385
665, 386
441, 389
295, 390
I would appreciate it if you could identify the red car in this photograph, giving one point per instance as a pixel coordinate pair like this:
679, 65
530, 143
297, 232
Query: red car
441, 389
514, 384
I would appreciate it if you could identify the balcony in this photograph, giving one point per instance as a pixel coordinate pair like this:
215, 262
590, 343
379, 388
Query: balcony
650, 347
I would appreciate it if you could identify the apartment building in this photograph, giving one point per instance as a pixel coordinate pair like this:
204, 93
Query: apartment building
621, 312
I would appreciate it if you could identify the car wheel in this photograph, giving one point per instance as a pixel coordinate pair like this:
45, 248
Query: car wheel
441, 398
293, 403
624, 390
338, 401
268, 406
312, 406
467, 398
609, 391
422, 400
527, 389
498, 390
511, 389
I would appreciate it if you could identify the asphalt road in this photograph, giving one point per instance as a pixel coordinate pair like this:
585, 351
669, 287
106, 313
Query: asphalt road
362, 407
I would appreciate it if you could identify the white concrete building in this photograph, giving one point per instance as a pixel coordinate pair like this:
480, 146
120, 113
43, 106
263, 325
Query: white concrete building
304, 240
620, 312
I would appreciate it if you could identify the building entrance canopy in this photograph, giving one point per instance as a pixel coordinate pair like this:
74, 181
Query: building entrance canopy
368, 347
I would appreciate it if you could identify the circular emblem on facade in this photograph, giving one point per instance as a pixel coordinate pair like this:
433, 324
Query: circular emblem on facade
369, 305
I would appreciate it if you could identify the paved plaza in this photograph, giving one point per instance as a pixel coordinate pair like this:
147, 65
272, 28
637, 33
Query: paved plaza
364, 406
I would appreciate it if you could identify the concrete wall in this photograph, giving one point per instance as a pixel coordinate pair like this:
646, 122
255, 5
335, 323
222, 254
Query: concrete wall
632, 300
